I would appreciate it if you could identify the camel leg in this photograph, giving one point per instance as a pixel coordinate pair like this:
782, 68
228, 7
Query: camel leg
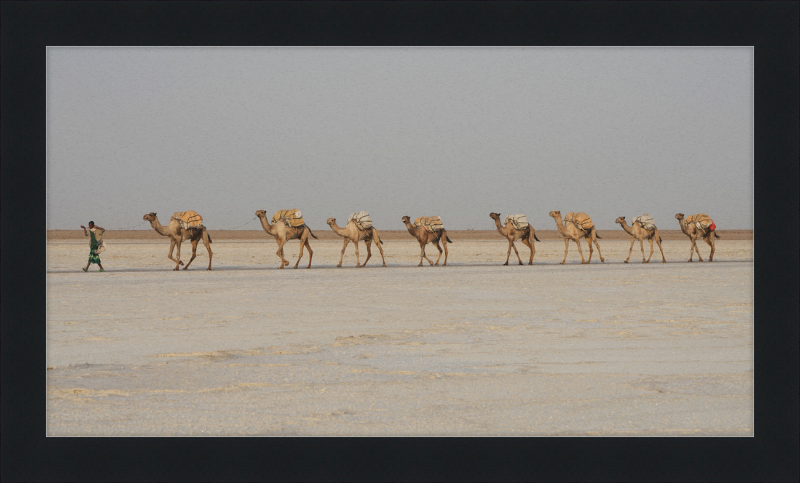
599, 253
697, 249
578, 242
378, 243
663, 259
566, 249
651, 251
368, 243
517, 252
710, 241
171, 249
591, 250
440, 252
422, 254
641, 246
633, 240
177, 265
207, 243
280, 253
358, 258
194, 252
310, 253
529, 242
304, 244
508, 255
444, 243
346, 241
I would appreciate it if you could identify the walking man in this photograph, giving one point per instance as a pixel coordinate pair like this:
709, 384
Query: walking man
96, 244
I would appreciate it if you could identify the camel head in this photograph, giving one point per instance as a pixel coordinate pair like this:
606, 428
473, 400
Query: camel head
555, 213
331, 221
149, 217
406, 219
261, 213
495, 216
679, 216
620, 220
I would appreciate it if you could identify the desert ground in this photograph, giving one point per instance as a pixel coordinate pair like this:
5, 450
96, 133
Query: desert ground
471, 349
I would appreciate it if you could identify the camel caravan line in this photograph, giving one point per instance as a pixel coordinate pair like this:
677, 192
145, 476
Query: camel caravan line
288, 225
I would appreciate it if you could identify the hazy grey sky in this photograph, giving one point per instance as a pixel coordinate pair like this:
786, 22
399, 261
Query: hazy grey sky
453, 132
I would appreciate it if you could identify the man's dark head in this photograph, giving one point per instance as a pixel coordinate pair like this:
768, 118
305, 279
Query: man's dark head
91, 224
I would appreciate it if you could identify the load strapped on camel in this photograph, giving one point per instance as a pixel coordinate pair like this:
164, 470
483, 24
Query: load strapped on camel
580, 220
702, 221
188, 219
520, 222
290, 218
431, 223
646, 221
362, 219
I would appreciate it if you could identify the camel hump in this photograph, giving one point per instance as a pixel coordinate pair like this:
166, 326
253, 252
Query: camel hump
701, 221
431, 223
188, 219
362, 219
581, 220
646, 221
520, 222
290, 218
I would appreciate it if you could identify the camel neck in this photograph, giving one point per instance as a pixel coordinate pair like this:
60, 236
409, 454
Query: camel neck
337, 229
499, 225
559, 224
158, 227
265, 224
628, 230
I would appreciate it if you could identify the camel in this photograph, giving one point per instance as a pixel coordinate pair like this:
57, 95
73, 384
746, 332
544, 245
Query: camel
512, 234
638, 232
571, 232
177, 235
352, 233
282, 234
693, 233
424, 237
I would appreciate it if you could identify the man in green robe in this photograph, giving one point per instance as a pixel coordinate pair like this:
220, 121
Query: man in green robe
95, 244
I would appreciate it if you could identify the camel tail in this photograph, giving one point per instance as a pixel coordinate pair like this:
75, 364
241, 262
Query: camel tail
535, 238
448, 239
715, 235
311, 232
660, 239
597, 236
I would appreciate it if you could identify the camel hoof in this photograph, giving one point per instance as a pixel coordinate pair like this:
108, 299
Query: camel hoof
602, 260
520, 263
663, 261
209, 268
340, 265
505, 264
625, 261
180, 263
